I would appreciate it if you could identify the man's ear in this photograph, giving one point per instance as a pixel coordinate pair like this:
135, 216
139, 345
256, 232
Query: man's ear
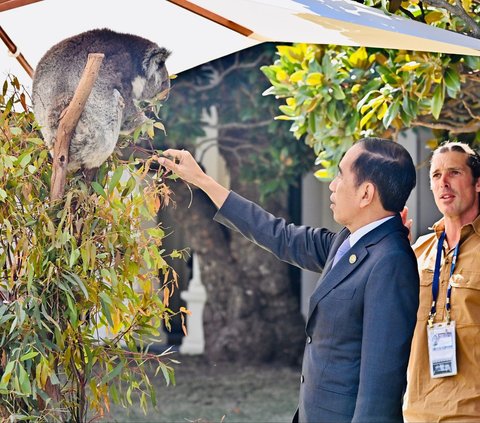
368, 192
477, 185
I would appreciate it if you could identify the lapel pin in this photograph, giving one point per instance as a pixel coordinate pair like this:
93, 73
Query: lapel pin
352, 259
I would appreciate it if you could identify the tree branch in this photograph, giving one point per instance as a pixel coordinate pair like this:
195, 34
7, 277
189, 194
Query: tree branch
68, 122
221, 75
457, 10
451, 127
243, 126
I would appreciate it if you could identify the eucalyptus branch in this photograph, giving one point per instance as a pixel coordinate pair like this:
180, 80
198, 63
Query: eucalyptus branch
135, 355
130, 328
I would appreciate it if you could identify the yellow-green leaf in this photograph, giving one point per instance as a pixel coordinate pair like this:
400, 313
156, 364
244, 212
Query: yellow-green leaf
359, 58
433, 16
366, 118
281, 75
297, 76
314, 78
407, 67
323, 174
437, 100
382, 110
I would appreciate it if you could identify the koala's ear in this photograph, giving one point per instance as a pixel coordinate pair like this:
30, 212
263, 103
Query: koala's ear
154, 60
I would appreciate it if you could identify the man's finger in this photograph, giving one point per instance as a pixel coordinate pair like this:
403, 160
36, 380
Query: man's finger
404, 214
169, 164
177, 155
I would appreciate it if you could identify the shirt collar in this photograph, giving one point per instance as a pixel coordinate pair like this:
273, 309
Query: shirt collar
355, 236
439, 226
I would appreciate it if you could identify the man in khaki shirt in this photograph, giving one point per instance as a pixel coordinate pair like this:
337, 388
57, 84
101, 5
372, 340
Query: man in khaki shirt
455, 182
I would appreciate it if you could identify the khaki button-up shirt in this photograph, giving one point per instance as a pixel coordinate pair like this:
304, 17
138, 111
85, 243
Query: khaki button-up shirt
452, 398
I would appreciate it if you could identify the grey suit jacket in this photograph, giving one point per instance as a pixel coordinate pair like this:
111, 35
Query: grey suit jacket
361, 316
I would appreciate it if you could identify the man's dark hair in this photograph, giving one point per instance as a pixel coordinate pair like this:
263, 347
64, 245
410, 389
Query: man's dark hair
473, 159
388, 166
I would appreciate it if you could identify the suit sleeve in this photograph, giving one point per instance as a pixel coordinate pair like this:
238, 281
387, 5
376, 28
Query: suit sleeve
300, 246
390, 308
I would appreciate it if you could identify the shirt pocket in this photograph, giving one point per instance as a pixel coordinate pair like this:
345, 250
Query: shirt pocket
465, 298
425, 305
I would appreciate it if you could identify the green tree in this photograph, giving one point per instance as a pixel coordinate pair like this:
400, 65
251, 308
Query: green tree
80, 280
252, 312
335, 95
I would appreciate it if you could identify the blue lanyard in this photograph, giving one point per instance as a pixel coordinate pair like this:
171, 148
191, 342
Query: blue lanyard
436, 280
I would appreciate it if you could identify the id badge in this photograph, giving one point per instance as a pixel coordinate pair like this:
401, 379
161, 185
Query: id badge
442, 349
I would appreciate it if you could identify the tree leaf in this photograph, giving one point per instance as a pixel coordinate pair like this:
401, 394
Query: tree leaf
29, 355
452, 79
391, 113
115, 178
365, 119
437, 100
338, 93
112, 374
98, 189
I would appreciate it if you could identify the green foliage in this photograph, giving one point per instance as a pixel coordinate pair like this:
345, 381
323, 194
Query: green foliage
248, 137
336, 95
440, 13
80, 280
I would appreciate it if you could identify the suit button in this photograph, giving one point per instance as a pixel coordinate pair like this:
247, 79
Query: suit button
309, 339
302, 379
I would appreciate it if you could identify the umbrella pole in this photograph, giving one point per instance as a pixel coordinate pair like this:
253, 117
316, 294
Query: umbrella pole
13, 49
192, 7
68, 122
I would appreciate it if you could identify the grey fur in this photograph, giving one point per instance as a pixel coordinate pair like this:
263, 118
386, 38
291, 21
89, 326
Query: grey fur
133, 69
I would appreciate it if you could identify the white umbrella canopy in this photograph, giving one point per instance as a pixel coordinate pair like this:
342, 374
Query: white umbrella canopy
188, 29
193, 40
341, 22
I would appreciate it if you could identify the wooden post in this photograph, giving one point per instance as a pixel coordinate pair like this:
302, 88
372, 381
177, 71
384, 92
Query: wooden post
68, 122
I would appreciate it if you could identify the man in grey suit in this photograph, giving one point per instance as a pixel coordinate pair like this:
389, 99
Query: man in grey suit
363, 310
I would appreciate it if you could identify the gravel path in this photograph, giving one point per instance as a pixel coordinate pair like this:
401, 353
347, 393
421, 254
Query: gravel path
220, 393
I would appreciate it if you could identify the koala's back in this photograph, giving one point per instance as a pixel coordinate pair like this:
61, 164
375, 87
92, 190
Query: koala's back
59, 70
57, 76
63, 64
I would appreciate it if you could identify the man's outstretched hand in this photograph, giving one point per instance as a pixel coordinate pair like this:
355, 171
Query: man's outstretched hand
182, 163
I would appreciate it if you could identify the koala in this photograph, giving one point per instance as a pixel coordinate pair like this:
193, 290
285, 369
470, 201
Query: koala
132, 70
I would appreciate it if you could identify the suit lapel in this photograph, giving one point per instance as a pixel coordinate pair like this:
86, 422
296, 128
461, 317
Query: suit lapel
333, 277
